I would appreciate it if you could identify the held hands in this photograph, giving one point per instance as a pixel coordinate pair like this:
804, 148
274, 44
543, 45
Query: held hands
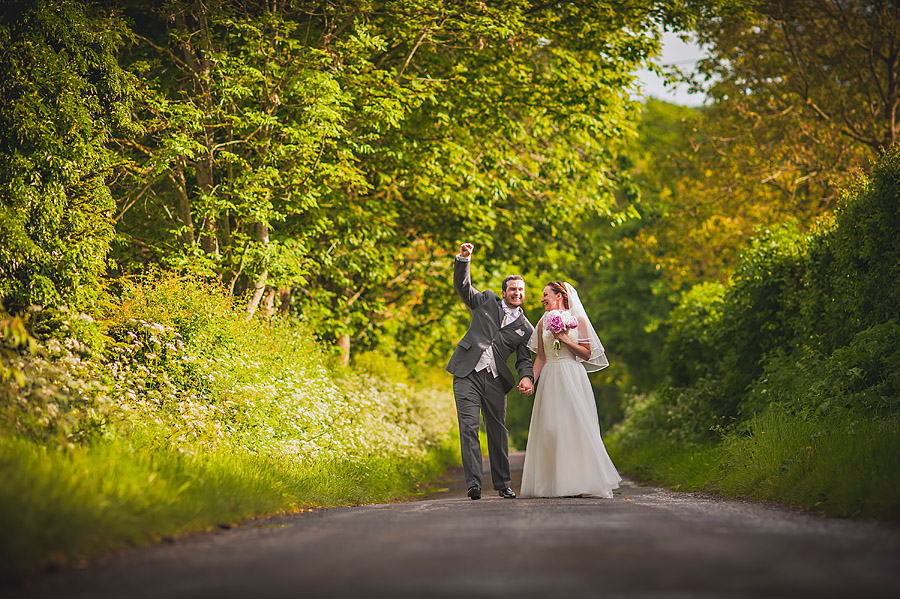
465, 250
526, 387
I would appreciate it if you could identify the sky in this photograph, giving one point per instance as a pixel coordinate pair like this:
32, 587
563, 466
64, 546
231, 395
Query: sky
682, 55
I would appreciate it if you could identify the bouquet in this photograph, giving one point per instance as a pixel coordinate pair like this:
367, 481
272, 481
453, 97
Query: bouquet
559, 321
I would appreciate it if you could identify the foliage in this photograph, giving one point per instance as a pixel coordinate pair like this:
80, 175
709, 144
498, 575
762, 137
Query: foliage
336, 154
326, 157
692, 225
62, 92
329, 157
852, 273
803, 343
861, 377
774, 144
630, 306
795, 299
800, 98
680, 224
765, 158
14, 338
181, 357
843, 465
185, 392
63, 396
628, 302
691, 343
803, 92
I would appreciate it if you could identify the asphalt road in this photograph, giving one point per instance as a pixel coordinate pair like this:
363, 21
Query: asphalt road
646, 542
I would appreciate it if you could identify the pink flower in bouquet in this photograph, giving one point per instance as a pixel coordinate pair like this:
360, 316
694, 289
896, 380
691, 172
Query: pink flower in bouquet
556, 324
559, 322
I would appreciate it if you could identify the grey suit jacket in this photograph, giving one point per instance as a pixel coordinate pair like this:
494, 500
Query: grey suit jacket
485, 331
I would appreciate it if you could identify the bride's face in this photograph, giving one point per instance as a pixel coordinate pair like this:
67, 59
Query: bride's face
551, 299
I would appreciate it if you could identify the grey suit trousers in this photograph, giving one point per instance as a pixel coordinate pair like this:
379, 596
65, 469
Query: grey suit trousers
474, 393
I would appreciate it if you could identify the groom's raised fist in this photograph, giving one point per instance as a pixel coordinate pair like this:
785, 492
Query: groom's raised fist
465, 250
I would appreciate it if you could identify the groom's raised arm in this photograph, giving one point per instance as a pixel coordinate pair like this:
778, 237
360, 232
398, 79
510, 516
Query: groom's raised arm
462, 278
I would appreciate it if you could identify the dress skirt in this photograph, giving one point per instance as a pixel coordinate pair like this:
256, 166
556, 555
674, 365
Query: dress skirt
565, 455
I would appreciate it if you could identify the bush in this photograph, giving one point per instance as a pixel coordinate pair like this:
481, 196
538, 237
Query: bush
178, 355
759, 310
863, 377
691, 350
688, 415
190, 416
802, 344
803, 317
852, 275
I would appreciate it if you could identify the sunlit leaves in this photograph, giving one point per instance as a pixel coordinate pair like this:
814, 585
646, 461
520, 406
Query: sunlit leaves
62, 93
363, 130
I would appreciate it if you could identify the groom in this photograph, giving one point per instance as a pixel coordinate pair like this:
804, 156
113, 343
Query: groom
481, 378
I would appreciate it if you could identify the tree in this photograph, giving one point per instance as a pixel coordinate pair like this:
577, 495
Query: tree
514, 147
366, 139
62, 93
805, 93
246, 128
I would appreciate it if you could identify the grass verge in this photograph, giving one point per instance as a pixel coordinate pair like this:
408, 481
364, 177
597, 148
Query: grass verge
172, 413
843, 465
61, 504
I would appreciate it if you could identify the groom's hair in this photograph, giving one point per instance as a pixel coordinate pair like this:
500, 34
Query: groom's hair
511, 278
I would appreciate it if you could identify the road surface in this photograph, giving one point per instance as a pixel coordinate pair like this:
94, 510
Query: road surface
646, 542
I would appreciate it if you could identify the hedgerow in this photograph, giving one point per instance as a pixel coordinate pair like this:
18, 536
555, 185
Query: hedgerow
807, 328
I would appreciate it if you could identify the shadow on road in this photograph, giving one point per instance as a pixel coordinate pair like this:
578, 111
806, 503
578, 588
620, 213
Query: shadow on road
452, 484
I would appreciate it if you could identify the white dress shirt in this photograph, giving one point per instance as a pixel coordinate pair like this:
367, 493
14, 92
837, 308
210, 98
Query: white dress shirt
487, 358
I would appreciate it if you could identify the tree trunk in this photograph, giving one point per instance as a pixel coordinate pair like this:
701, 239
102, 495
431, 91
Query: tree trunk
268, 304
262, 236
284, 296
199, 65
208, 239
184, 204
226, 241
344, 345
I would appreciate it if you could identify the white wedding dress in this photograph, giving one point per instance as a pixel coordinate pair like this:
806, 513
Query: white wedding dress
565, 455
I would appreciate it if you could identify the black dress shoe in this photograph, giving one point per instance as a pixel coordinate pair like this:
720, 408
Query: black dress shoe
507, 493
474, 493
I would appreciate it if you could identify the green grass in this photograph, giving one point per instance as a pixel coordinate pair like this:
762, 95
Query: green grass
840, 466
681, 468
60, 504
173, 414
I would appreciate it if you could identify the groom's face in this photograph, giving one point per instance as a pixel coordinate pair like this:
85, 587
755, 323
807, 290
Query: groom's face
515, 293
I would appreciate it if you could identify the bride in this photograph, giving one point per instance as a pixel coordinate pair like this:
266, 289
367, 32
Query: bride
565, 455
